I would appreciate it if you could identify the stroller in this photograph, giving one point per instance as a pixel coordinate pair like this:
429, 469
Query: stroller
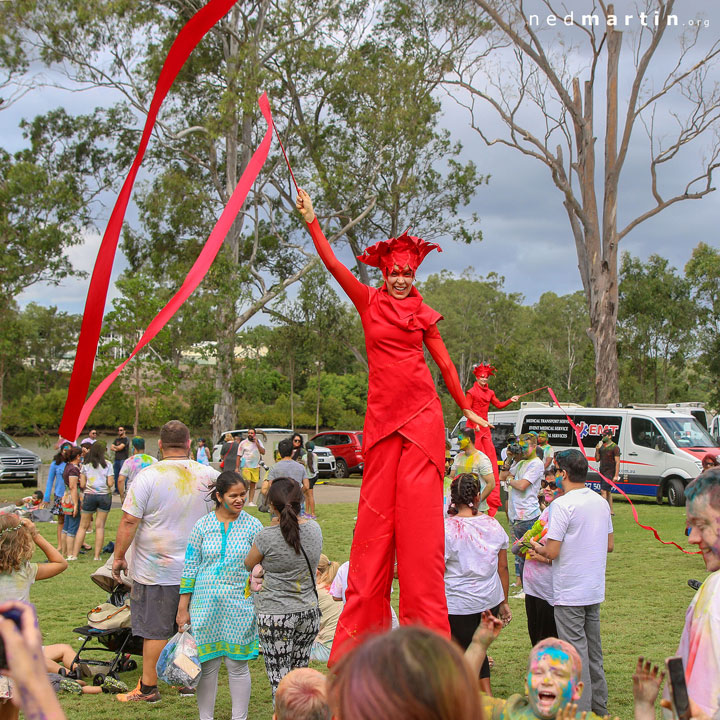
117, 640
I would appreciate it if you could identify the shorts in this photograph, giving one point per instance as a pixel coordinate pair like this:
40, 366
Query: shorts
251, 475
154, 608
71, 525
101, 503
604, 484
313, 480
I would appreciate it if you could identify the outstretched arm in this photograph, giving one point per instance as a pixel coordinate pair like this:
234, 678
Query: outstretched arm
356, 291
499, 404
436, 346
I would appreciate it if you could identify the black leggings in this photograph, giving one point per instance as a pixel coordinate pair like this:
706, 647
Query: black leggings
462, 629
540, 619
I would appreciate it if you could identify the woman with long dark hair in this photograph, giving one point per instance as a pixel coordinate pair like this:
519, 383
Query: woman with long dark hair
55, 489
97, 480
476, 569
403, 442
287, 610
212, 594
298, 448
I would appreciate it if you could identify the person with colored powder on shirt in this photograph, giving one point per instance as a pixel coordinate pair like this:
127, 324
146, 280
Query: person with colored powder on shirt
133, 465
552, 685
479, 398
472, 460
547, 449
700, 640
403, 443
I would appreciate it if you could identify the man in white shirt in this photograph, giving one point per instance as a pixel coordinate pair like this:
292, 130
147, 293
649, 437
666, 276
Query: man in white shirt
523, 505
579, 537
162, 505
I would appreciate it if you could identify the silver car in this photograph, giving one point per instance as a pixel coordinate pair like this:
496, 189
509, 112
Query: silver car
17, 465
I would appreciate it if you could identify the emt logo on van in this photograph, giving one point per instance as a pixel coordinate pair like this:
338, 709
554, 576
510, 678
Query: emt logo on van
597, 429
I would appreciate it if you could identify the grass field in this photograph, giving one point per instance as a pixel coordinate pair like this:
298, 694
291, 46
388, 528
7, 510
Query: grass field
646, 598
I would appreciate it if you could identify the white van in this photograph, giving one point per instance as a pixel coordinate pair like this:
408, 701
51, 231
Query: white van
660, 449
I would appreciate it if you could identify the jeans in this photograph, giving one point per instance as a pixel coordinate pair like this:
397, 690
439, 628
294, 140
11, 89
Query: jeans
519, 528
580, 626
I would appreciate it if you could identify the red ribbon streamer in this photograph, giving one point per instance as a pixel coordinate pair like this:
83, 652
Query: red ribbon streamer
576, 429
186, 41
202, 264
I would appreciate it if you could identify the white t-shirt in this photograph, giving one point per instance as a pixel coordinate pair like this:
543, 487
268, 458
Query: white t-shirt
523, 504
472, 544
97, 478
250, 453
478, 463
339, 586
16, 585
169, 498
538, 575
581, 520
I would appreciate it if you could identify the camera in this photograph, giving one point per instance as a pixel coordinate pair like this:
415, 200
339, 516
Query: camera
16, 616
515, 448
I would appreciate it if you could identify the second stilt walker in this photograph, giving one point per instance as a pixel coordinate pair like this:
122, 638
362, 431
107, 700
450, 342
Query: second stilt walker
479, 398
400, 510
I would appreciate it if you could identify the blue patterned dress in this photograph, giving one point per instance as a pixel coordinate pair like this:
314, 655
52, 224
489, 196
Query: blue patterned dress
223, 621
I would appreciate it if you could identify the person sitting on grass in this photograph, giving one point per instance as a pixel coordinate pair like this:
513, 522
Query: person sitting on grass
301, 695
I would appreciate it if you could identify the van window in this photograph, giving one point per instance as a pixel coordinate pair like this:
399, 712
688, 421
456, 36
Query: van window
645, 433
500, 433
687, 433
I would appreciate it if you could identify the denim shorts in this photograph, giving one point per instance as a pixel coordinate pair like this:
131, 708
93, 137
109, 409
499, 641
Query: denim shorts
92, 502
71, 525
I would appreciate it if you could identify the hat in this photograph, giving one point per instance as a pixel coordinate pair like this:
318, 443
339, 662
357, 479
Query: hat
401, 251
482, 370
310, 445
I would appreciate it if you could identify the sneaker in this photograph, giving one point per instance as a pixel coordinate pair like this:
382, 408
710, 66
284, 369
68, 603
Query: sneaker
251, 504
185, 691
518, 595
113, 686
137, 695
513, 584
69, 685
70, 558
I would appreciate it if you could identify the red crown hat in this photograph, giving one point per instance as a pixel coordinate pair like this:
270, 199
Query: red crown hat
483, 370
400, 251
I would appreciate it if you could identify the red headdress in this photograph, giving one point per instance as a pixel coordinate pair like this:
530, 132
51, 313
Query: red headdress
481, 369
400, 251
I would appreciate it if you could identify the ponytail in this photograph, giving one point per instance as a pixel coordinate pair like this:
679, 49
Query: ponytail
286, 496
463, 491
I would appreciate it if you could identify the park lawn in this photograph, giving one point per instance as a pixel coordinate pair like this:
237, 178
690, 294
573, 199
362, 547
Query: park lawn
647, 595
352, 481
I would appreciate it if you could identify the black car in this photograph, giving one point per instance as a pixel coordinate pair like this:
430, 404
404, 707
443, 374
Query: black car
17, 465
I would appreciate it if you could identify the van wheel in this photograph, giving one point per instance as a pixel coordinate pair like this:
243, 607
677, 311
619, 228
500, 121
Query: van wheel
676, 493
341, 469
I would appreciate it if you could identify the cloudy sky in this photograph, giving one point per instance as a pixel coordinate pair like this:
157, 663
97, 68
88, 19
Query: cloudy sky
526, 232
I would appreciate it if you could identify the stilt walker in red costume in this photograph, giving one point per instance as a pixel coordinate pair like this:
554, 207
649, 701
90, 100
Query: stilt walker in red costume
479, 398
400, 510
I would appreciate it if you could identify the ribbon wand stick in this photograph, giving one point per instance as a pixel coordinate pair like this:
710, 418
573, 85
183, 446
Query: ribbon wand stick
530, 392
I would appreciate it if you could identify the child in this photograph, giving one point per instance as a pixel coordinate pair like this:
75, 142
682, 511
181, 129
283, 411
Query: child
32, 502
18, 538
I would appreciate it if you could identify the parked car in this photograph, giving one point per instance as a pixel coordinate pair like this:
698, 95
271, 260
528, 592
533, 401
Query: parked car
325, 462
346, 446
17, 464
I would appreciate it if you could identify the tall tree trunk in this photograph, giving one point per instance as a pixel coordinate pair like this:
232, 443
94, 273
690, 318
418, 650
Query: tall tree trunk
224, 409
292, 391
317, 400
603, 321
2, 387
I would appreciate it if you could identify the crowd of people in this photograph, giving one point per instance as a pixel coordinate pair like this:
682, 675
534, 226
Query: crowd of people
200, 563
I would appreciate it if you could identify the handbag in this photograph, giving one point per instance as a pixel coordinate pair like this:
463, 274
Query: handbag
107, 616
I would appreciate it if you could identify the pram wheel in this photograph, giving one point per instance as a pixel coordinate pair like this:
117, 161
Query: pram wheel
98, 679
128, 665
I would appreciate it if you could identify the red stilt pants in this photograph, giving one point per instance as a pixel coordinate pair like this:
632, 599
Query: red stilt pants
484, 443
400, 512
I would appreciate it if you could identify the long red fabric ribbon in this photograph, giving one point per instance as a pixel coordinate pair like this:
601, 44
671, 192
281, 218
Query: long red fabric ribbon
576, 430
186, 41
202, 264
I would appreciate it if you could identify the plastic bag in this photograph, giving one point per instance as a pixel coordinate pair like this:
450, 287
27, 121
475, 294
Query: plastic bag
179, 663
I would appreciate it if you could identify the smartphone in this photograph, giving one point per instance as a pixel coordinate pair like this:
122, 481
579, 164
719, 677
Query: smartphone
680, 699
16, 617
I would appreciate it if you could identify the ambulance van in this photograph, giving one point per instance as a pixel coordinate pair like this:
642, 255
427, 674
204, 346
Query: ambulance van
660, 449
